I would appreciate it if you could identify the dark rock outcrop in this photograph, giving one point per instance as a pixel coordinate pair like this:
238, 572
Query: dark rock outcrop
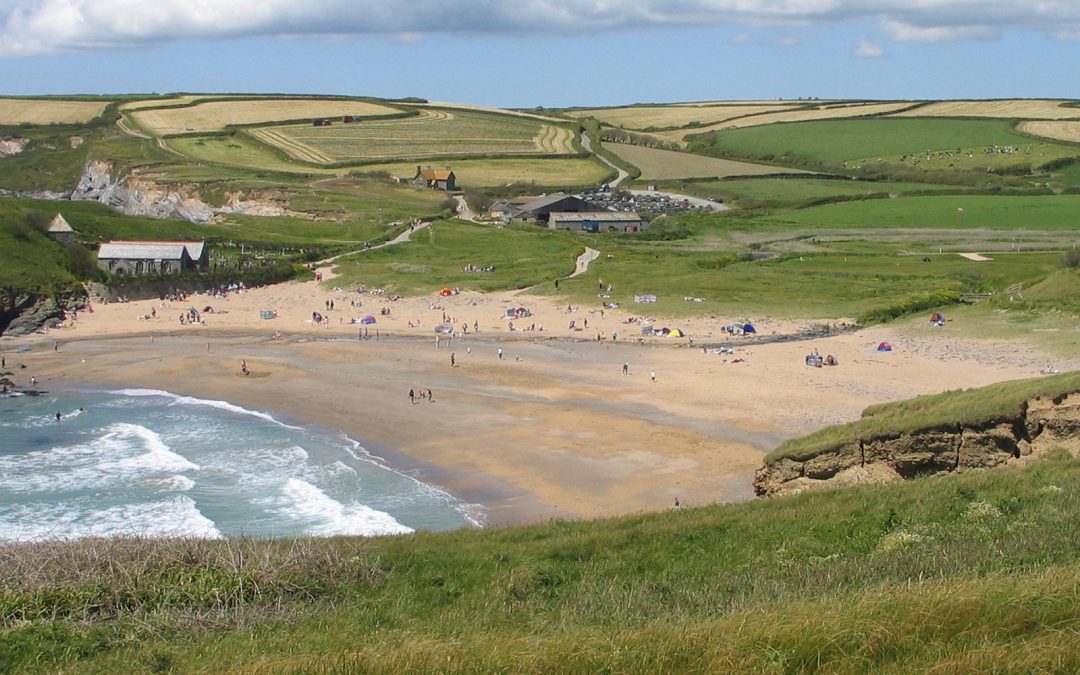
22, 312
1044, 423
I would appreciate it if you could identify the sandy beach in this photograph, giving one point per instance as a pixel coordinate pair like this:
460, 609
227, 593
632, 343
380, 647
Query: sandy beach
552, 427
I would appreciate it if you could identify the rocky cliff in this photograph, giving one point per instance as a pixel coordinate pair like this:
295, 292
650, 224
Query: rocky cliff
1043, 423
23, 312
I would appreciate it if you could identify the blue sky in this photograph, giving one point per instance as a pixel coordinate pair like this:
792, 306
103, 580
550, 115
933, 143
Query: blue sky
545, 52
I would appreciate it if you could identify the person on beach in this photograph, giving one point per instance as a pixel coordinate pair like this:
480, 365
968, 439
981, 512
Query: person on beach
243, 366
430, 397
652, 375
500, 353
453, 361
412, 397
58, 415
626, 368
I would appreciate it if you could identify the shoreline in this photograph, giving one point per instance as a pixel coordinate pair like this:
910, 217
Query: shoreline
552, 428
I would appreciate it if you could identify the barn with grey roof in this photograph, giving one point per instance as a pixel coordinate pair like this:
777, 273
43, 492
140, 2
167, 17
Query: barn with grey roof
153, 257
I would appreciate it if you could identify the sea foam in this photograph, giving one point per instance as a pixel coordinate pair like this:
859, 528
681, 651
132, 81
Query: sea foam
172, 517
191, 400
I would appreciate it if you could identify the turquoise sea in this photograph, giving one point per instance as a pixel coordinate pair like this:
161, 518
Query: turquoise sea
150, 463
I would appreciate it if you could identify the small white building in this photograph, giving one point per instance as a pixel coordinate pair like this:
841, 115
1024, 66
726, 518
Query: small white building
600, 221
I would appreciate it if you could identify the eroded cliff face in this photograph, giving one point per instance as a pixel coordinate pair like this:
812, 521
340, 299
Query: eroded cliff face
1042, 425
23, 312
140, 195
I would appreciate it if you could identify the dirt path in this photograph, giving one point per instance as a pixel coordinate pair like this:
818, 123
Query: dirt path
583, 261
327, 268
587, 144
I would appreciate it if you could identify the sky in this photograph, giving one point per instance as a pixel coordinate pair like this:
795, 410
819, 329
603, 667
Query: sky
550, 53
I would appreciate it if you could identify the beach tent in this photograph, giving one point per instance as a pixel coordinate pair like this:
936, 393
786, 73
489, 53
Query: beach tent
675, 332
748, 328
446, 292
884, 347
830, 360
368, 320
267, 314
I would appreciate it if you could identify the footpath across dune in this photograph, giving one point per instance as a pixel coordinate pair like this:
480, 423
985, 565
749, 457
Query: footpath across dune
529, 423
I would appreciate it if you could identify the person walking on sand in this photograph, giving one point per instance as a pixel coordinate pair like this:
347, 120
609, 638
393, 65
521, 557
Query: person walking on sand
412, 397
626, 368
430, 397
652, 374
453, 360
243, 366
500, 353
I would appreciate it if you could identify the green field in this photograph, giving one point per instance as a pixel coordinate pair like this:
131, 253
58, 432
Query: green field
432, 133
523, 256
837, 141
753, 193
1007, 214
968, 573
656, 164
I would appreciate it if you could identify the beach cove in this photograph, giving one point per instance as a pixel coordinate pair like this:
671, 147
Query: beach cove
528, 424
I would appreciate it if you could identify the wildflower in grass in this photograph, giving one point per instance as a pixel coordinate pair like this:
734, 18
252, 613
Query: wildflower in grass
1049, 490
981, 512
898, 541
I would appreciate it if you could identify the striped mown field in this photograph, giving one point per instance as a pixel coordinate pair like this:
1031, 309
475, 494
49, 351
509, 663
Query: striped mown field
543, 172
1057, 130
1009, 109
432, 133
216, 115
662, 116
821, 112
48, 111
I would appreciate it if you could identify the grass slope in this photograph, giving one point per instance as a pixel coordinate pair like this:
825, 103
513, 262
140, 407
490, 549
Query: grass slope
967, 573
970, 407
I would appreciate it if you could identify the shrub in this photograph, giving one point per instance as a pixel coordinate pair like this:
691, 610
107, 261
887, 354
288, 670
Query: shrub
1071, 259
910, 305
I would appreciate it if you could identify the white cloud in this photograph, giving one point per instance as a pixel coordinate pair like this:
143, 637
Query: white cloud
865, 49
42, 26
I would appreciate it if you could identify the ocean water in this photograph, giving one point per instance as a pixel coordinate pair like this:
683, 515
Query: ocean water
150, 463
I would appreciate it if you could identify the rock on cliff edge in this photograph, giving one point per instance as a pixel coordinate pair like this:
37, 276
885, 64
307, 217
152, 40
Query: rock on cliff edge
1045, 423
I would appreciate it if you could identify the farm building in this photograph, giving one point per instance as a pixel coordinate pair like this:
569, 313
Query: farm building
60, 230
444, 180
153, 257
606, 221
539, 208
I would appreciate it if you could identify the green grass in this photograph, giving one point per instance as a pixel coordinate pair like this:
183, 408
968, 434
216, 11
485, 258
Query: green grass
844, 283
657, 164
241, 151
539, 173
839, 140
757, 193
969, 573
32, 260
969, 407
1005, 214
523, 256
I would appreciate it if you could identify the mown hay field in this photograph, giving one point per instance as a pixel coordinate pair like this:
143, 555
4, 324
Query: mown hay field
541, 172
1059, 131
822, 112
664, 116
658, 164
48, 111
216, 115
432, 133
240, 151
776, 192
1012, 109
162, 102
